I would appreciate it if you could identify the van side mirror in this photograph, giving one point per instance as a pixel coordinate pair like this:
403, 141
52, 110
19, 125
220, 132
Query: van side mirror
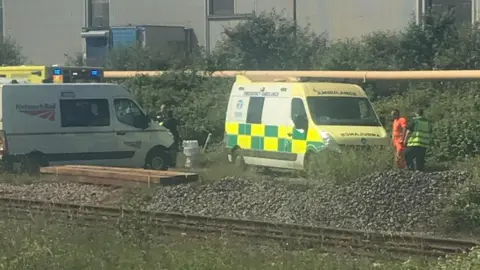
141, 121
383, 120
300, 122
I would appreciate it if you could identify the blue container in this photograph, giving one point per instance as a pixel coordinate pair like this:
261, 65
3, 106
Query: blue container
124, 36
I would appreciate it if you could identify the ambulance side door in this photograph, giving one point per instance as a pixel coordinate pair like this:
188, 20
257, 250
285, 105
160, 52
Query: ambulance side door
277, 143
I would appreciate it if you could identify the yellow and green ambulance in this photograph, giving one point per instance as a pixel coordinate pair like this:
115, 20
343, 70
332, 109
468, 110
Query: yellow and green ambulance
279, 122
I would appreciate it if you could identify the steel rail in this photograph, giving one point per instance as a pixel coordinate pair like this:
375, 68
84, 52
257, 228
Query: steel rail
311, 236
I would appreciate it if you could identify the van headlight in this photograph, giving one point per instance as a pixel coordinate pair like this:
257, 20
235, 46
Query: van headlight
329, 141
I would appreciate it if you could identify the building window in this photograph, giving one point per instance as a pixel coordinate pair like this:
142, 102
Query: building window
85, 113
98, 13
222, 7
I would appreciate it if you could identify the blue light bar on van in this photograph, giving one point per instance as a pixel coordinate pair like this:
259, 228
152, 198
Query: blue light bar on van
95, 73
57, 71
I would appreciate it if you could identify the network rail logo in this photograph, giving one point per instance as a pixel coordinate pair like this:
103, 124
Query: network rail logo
44, 111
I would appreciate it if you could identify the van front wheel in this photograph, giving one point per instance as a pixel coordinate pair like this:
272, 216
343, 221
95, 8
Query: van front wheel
158, 160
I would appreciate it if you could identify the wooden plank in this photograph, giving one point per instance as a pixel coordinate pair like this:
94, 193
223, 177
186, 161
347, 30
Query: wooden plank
126, 176
139, 170
132, 176
188, 176
104, 181
109, 174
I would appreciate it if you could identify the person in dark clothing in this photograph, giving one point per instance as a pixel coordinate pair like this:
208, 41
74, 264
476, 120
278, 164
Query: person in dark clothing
166, 119
417, 140
162, 114
171, 124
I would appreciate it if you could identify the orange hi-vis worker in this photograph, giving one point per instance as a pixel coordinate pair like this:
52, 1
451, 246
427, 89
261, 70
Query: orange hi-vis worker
398, 134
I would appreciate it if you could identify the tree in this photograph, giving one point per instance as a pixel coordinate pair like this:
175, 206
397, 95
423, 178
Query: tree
423, 47
269, 41
10, 53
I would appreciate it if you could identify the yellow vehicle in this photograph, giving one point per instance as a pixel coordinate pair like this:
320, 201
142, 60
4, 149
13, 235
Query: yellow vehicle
53, 74
280, 123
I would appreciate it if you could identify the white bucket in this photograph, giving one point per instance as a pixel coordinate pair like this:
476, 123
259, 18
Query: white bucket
191, 150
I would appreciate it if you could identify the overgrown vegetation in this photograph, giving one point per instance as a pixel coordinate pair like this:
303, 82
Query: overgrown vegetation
350, 165
37, 244
199, 103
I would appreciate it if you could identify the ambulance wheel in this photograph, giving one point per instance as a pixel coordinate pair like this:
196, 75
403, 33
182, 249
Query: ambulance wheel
238, 159
158, 159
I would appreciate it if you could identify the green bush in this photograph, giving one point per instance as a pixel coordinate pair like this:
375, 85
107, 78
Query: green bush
199, 102
11, 53
269, 41
452, 109
465, 261
463, 214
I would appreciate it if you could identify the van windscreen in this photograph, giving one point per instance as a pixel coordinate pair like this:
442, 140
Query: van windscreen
342, 111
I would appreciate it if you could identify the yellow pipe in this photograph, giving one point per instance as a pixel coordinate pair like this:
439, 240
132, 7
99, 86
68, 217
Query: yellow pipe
360, 75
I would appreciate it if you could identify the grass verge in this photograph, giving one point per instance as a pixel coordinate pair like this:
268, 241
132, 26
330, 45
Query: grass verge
40, 245
37, 244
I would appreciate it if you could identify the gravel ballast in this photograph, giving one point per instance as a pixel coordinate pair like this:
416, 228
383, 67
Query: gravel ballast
387, 201
58, 192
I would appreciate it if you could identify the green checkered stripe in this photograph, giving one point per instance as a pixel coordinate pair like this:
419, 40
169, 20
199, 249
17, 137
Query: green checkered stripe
268, 138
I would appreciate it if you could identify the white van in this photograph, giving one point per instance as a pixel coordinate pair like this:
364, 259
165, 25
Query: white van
84, 124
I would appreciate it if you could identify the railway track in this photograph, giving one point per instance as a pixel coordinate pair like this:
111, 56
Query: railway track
306, 236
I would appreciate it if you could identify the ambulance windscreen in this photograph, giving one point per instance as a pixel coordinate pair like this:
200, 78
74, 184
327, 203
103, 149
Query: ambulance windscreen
342, 111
